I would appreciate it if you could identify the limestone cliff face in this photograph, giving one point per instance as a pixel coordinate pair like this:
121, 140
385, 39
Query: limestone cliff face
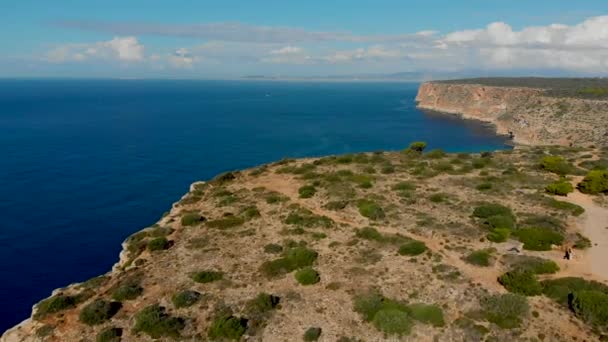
532, 117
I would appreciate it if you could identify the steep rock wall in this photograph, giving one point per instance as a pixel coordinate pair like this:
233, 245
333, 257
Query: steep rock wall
532, 117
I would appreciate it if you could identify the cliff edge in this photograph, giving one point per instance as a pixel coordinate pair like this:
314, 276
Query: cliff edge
534, 116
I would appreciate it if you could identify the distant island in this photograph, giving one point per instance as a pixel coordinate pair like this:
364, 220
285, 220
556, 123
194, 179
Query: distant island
412, 244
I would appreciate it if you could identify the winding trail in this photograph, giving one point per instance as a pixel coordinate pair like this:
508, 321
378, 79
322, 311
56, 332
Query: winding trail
594, 225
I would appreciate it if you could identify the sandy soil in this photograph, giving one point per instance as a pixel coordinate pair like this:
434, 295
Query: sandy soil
594, 224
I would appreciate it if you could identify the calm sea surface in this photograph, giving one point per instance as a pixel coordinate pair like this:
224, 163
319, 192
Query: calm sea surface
84, 164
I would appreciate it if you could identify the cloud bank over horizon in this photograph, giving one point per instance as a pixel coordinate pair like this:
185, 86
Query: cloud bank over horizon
578, 48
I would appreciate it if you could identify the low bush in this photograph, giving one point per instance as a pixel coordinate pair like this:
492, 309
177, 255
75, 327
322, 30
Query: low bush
484, 186
532, 264
428, 314
562, 289
54, 304
438, 197
275, 198
262, 304
109, 335
591, 307
128, 289
417, 146
521, 282
293, 259
412, 248
273, 248
393, 322
538, 239
369, 233
582, 242
436, 154
560, 188
557, 165
491, 209
307, 191
154, 321
227, 327
542, 221
595, 182
335, 205
404, 186
191, 219
98, 311
505, 310
249, 213
500, 221
370, 209
574, 209
307, 276
312, 334
481, 257
207, 276
305, 218
499, 235
158, 244
226, 222
186, 298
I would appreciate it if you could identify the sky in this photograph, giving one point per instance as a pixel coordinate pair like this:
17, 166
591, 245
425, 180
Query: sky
231, 39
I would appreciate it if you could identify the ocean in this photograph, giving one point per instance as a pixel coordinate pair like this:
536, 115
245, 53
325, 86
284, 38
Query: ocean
86, 163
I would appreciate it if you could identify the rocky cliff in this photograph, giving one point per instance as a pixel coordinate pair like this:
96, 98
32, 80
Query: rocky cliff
530, 114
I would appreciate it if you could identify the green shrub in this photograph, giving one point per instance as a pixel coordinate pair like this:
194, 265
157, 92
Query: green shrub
262, 303
228, 327
404, 186
436, 154
250, 213
428, 314
505, 310
501, 221
595, 182
562, 289
370, 209
307, 276
128, 289
417, 146
307, 191
207, 276
191, 219
499, 235
532, 264
591, 306
369, 304
335, 205
542, 221
226, 222
574, 209
393, 322
304, 217
582, 242
154, 321
488, 210
158, 244
273, 248
484, 186
560, 188
109, 335
98, 311
538, 239
438, 197
521, 282
293, 259
369, 233
186, 298
556, 165
481, 257
412, 248
54, 304
312, 334
275, 198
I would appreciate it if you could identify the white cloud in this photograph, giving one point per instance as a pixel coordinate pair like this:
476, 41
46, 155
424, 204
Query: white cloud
119, 48
182, 58
287, 50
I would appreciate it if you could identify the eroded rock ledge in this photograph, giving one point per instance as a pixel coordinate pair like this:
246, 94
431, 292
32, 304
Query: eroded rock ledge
532, 116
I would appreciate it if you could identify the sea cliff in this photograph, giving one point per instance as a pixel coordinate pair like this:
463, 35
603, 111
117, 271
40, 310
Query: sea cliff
530, 115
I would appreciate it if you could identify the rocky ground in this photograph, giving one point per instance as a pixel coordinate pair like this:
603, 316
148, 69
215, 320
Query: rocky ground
365, 247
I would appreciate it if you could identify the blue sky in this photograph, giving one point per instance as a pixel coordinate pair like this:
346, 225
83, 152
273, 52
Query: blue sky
227, 39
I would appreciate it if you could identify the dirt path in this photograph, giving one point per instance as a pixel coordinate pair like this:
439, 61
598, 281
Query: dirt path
594, 225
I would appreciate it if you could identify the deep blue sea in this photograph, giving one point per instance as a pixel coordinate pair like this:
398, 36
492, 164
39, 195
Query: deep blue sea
85, 163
